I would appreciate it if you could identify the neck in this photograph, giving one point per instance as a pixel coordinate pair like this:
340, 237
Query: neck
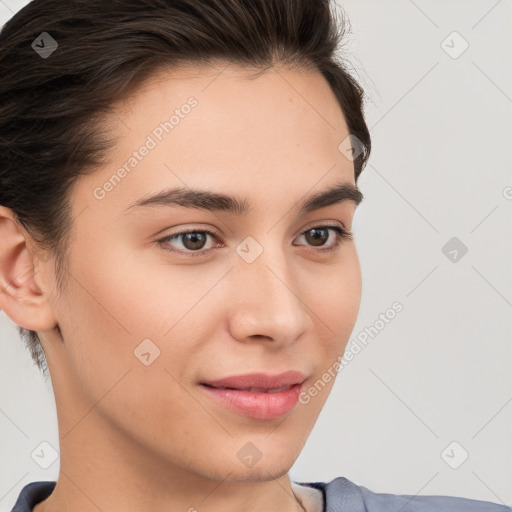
108, 472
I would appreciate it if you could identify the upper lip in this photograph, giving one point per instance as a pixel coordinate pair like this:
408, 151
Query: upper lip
259, 380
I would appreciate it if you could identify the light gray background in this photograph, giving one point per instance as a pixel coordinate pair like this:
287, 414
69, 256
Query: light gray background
440, 168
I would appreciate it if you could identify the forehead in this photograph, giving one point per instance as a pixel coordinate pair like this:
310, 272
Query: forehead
214, 127
281, 106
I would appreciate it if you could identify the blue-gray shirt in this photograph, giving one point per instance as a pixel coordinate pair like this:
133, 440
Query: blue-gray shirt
340, 495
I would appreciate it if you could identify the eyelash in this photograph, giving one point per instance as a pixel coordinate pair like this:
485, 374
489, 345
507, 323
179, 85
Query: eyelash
341, 234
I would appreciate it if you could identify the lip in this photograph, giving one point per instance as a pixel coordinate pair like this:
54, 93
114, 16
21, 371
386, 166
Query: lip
259, 380
234, 393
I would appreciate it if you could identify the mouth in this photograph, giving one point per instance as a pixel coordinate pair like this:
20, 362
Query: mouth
260, 396
252, 390
259, 382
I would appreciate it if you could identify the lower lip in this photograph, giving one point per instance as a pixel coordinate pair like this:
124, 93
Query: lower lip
262, 406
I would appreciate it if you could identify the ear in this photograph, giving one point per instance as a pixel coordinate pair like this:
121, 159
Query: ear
22, 294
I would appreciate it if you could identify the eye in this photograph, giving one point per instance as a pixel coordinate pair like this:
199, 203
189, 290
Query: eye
318, 235
193, 240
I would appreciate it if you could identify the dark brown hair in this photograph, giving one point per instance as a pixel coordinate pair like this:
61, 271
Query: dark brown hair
52, 109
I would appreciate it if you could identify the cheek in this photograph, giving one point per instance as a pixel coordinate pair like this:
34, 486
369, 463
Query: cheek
337, 297
119, 301
336, 301
104, 316
107, 312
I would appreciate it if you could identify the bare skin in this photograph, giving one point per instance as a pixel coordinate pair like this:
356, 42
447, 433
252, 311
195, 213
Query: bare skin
136, 437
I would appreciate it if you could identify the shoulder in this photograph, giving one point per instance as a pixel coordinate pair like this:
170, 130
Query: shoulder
342, 495
32, 494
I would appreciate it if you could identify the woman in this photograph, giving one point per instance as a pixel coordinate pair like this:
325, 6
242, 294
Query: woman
178, 187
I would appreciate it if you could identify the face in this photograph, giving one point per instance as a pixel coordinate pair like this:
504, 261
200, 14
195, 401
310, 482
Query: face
150, 314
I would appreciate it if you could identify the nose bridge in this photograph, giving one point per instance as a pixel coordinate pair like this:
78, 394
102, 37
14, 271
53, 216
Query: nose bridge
266, 302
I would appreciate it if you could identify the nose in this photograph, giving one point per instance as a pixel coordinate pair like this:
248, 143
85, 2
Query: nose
268, 303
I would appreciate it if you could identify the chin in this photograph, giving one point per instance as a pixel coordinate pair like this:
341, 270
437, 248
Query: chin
272, 464
261, 472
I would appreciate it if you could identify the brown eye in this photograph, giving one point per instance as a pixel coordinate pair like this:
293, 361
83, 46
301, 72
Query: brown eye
191, 241
317, 236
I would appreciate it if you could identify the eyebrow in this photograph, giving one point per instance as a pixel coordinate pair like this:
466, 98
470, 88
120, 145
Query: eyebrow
216, 201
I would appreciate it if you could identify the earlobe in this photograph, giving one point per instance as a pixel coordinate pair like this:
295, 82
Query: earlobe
21, 295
